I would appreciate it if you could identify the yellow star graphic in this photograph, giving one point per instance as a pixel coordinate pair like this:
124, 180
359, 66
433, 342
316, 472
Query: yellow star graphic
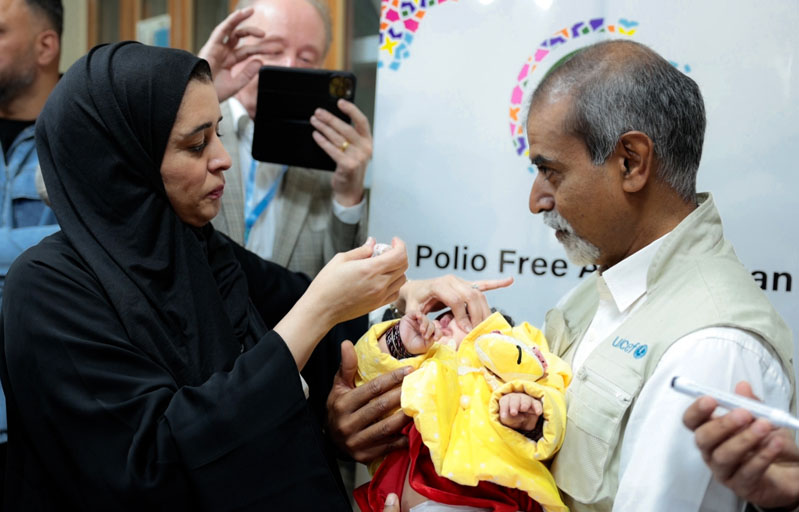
389, 45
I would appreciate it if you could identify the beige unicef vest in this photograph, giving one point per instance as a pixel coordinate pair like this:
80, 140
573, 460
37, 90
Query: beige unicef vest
695, 281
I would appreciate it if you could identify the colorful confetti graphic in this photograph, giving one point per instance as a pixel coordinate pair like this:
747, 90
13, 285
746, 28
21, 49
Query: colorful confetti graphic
623, 27
399, 21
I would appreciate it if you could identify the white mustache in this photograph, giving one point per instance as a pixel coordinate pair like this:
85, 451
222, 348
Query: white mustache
554, 220
578, 250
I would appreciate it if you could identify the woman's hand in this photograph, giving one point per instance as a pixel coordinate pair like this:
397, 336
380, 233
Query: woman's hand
464, 298
350, 285
222, 53
353, 283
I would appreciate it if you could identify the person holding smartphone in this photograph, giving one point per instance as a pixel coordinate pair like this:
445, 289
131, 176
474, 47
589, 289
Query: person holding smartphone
293, 216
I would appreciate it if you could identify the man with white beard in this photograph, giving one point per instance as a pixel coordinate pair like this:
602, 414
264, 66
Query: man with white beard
579, 251
616, 133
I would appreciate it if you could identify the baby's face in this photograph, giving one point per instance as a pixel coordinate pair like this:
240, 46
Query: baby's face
451, 333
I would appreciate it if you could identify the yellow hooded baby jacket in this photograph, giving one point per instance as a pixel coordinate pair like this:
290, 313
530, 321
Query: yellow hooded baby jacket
453, 398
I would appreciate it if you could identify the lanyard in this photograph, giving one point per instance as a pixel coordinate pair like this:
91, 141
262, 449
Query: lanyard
252, 212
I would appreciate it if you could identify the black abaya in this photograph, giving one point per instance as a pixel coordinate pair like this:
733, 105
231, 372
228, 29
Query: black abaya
138, 373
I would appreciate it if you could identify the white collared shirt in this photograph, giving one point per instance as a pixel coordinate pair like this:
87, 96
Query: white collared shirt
261, 239
661, 470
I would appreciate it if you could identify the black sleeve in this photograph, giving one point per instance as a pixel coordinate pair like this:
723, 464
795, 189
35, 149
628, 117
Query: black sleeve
96, 424
273, 289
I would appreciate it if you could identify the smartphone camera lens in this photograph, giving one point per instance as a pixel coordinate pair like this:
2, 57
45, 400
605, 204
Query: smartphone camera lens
340, 87
347, 87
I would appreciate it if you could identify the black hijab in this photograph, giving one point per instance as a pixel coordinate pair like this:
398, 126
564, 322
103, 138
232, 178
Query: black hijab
101, 137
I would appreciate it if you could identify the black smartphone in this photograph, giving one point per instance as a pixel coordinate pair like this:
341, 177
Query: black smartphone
287, 98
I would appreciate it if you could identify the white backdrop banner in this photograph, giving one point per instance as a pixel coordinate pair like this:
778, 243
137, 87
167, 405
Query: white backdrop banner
451, 174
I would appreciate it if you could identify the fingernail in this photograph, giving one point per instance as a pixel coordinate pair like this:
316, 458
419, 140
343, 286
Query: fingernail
740, 418
761, 427
369, 240
391, 500
775, 446
407, 370
707, 404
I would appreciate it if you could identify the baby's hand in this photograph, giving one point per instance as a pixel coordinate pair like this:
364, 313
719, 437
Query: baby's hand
519, 411
418, 333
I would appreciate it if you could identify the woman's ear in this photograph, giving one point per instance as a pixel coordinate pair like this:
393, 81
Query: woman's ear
48, 48
635, 151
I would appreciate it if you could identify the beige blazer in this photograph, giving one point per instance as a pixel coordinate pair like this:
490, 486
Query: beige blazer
308, 233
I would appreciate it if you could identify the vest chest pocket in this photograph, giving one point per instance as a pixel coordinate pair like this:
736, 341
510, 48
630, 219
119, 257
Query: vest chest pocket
597, 407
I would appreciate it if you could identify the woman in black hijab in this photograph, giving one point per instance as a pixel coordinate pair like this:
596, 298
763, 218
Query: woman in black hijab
148, 362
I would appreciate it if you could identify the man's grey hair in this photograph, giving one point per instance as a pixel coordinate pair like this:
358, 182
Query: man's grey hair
321, 8
620, 86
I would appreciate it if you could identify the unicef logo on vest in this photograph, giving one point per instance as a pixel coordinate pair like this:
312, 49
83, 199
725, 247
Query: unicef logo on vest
628, 347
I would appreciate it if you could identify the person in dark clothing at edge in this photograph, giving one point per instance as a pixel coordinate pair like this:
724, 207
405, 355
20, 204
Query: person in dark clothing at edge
30, 47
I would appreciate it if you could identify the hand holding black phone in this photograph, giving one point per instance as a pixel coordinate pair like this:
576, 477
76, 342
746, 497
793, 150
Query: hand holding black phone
287, 98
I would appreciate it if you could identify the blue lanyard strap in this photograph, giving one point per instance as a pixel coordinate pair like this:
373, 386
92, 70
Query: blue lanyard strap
251, 211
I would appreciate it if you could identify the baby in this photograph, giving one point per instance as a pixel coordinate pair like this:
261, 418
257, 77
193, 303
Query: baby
488, 406
415, 334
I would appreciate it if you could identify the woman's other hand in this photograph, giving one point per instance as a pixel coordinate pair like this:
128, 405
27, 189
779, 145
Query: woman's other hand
418, 332
464, 298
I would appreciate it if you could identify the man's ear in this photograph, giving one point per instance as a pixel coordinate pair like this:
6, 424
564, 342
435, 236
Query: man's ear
635, 152
48, 48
